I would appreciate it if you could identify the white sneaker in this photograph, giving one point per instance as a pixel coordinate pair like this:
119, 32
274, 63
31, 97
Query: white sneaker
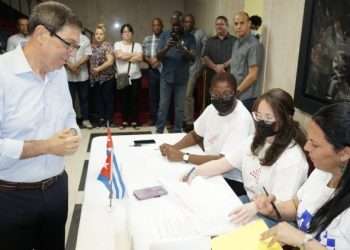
87, 124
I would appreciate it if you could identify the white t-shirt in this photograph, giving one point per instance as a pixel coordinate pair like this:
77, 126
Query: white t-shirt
14, 40
122, 66
312, 195
224, 134
84, 50
282, 179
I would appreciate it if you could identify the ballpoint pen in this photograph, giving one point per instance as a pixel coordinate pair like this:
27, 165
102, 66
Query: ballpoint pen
279, 217
189, 174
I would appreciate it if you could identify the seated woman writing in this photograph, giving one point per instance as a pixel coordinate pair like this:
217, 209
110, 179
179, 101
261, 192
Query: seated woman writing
322, 205
272, 159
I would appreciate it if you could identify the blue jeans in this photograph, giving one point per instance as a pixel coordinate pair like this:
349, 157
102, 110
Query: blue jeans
269, 222
166, 90
153, 91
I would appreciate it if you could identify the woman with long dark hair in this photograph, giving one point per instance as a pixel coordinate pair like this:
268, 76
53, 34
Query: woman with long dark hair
272, 159
322, 204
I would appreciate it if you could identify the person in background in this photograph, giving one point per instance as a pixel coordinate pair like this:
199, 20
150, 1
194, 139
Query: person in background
78, 77
102, 76
22, 35
272, 158
219, 130
127, 51
175, 52
150, 45
247, 59
37, 129
255, 23
195, 69
322, 205
217, 53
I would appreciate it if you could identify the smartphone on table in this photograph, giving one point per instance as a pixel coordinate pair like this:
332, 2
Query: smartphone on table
144, 142
150, 192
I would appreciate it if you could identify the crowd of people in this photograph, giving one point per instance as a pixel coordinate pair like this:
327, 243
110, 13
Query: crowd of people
175, 60
249, 137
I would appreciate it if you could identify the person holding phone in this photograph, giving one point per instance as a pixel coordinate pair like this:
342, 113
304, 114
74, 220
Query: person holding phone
272, 159
220, 129
322, 205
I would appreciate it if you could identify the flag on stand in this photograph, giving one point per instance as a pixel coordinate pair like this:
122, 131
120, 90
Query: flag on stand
110, 174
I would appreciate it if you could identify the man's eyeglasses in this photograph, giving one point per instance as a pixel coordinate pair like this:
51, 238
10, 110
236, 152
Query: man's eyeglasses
266, 118
224, 97
67, 44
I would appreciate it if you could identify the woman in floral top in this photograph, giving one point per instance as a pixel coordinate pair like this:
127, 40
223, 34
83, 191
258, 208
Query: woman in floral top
102, 75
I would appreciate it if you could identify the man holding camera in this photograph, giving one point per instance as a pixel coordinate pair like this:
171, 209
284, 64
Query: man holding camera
175, 51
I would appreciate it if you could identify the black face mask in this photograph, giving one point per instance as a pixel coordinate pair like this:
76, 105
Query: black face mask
224, 106
265, 130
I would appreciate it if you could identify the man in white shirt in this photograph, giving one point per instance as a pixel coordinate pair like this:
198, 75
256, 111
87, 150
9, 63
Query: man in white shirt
37, 129
78, 77
219, 130
21, 36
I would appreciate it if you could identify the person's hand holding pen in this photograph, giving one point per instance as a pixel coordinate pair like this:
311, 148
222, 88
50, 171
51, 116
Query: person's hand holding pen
265, 205
189, 176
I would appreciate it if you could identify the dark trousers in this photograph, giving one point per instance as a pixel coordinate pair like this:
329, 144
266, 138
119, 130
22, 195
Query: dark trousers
82, 90
129, 97
105, 99
153, 91
236, 186
34, 219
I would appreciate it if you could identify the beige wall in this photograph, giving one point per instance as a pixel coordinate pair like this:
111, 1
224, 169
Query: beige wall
138, 13
254, 7
283, 24
205, 11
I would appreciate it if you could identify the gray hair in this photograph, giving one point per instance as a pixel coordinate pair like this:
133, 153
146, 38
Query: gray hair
53, 16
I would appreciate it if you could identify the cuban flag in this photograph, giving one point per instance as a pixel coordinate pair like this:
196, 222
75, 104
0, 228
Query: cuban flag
110, 174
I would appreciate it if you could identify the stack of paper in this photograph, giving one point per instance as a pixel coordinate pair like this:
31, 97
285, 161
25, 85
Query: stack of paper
244, 238
208, 205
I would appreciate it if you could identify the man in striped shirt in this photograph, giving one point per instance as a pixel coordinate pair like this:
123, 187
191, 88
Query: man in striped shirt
150, 44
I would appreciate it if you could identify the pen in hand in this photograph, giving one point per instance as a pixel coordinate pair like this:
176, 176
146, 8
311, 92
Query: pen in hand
187, 176
279, 217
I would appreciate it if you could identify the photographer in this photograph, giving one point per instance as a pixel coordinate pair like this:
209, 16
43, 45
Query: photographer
175, 51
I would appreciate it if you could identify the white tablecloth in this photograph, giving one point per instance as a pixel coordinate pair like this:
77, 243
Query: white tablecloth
187, 212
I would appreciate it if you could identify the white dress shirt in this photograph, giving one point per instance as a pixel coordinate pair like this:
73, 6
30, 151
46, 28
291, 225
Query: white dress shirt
14, 40
31, 109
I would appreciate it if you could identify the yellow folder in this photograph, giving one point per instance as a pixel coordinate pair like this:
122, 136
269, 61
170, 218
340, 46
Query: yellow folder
245, 238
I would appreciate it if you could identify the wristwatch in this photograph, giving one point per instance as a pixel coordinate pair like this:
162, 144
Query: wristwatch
186, 157
307, 238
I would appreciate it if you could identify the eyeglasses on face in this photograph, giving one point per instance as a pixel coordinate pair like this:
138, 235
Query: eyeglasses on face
225, 97
67, 44
268, 119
